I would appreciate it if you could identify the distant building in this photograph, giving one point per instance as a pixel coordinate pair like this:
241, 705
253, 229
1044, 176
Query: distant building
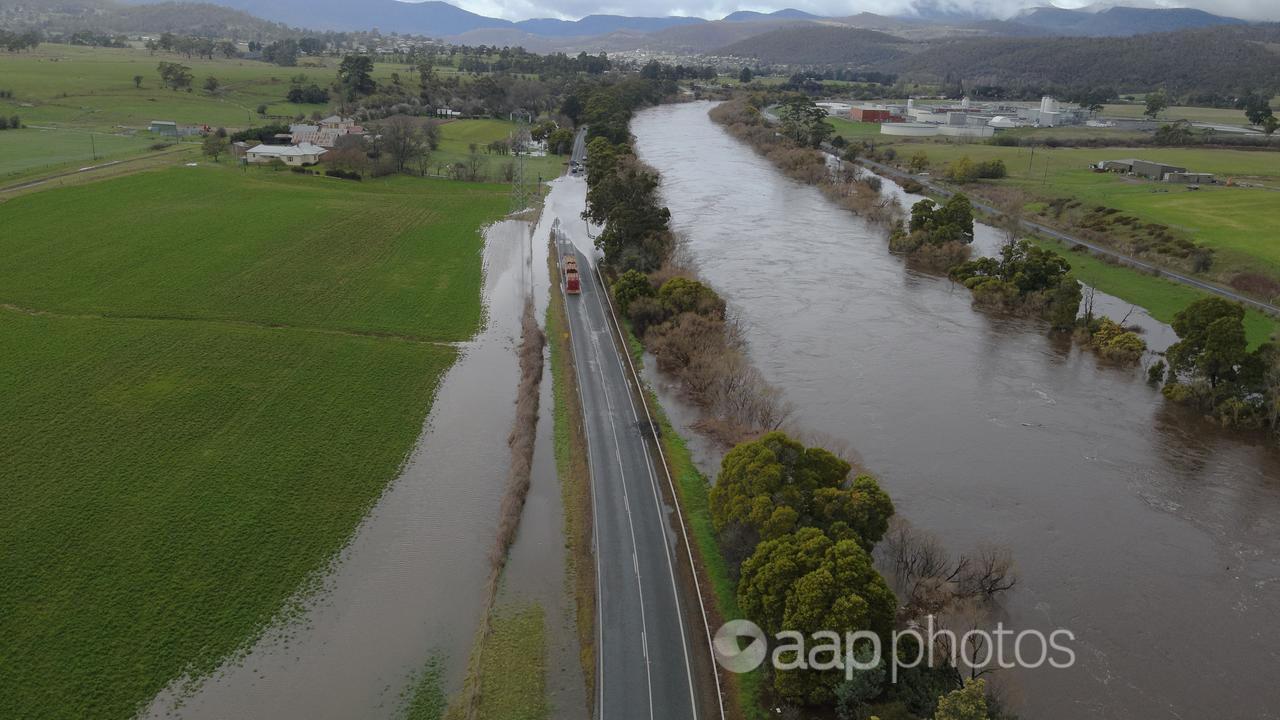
1191, 178
164, 127
322, 135
304, 154
867, 114
337, 122
1148, 169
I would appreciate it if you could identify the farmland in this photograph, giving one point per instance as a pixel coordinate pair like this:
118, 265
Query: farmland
213, 375
1237, 222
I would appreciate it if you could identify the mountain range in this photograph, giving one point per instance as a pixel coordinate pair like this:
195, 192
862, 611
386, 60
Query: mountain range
435, 18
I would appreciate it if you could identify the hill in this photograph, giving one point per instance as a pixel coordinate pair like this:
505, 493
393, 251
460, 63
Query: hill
1223, 59
204, 19
1119, 21
820, 45
701, 39
784, 14
601, 25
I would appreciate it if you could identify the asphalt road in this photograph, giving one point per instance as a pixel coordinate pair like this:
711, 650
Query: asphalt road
643, 647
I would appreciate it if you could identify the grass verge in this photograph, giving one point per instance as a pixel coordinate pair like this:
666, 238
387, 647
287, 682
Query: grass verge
513, 675
1160, 297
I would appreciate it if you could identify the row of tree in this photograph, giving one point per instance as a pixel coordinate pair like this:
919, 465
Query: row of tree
19, 41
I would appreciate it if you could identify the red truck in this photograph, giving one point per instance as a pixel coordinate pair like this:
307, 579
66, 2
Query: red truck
572, 283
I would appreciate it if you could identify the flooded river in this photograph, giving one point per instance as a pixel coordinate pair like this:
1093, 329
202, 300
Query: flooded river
1155, 539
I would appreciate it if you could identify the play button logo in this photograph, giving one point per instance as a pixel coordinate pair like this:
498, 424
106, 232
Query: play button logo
740, 646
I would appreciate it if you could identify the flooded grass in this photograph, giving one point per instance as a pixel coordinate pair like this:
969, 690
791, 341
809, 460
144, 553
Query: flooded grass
427, 701
173, 476
514, 670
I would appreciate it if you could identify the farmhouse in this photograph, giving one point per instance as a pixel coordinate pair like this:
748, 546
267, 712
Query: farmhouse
303, 154
326, 136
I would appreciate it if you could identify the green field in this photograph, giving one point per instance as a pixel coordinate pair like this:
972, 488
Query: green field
210, 376
1241, 223
1160, 297
73, 86
457, 136
29, 151
851, 130
1217, 116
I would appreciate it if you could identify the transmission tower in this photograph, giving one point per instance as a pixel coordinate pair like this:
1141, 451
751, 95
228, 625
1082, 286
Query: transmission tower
521, 140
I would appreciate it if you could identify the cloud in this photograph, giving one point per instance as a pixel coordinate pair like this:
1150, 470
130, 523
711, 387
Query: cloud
715, 9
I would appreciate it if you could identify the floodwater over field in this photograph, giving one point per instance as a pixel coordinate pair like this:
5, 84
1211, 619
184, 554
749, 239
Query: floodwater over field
410, 586
1155, 539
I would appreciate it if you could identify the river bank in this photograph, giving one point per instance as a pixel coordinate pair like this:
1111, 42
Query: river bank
1128, 518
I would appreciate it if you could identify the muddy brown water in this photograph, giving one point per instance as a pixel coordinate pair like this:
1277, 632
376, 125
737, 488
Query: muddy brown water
410, 586
1154, 538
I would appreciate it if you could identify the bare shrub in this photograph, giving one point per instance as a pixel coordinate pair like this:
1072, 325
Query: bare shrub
931, 580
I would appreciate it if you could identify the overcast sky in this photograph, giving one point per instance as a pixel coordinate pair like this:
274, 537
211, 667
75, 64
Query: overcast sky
715, 9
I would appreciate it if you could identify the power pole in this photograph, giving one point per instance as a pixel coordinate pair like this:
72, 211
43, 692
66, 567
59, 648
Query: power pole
520, 141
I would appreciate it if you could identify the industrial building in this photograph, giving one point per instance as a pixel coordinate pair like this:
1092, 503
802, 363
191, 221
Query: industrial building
965, 118
1155, 171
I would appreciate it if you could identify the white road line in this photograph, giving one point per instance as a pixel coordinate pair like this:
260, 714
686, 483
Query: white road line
679, 514
617, 449
657, 504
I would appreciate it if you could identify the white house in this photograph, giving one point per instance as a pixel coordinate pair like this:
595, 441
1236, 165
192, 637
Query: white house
303, 154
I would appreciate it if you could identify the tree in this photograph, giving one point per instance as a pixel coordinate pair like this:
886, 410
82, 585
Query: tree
262, 109
137, 81
805, 582
1205, 323
175, 75
560, 141
775, 485
629, 286
967, 703
745, 75
854, 695
1225, 349
211, 84
1175, 133
918, 163
355, 76
572, 108
1156, 103
281, 52
937, 225
804, 122
1257, 109
403, 141
227, 48
685, 295
214, 145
